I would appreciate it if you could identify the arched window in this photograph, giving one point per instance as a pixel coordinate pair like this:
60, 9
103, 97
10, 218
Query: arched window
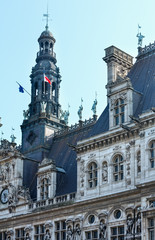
119, 112
44, 87
41, 46
118, 171
36, 88
152, 154
92, 175
44, 188
138, 162
53, 89
46, 46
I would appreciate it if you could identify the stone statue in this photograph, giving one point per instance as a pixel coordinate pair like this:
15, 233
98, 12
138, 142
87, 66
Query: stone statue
138, 224
129, 225
66, 115
80, 110
102, 229
140, 39
25, 114
94, 107
27, 237
47, 235
69, 233
62, 113
43, 107
12, 138
105, 172
77, 232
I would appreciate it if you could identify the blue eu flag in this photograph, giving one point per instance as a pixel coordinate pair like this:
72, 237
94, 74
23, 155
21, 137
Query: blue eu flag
21, 89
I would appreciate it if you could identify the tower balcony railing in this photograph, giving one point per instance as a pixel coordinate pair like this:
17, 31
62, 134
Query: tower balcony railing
46, 52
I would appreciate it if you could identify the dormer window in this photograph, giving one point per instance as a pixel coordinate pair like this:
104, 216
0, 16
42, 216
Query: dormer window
119, 112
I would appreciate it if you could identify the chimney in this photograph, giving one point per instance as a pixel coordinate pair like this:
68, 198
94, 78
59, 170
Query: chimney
118, 62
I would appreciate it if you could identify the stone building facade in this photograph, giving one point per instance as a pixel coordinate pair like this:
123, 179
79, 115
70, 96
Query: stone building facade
93, 180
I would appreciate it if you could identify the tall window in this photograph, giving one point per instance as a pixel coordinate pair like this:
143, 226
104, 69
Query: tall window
93, 235
92, 175
117, 233
138, 162
44, 87
39, 232
44, 188
151, 228
60, 230
3, 235
119, 111
152, 154
19, 234
118, 171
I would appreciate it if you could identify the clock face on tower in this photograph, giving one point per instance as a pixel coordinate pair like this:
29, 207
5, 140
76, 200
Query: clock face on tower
4, 195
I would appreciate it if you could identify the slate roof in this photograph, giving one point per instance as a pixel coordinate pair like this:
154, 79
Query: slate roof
142, 76
65, 157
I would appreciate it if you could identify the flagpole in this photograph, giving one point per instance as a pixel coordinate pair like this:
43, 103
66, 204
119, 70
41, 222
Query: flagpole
44, 83
23, 88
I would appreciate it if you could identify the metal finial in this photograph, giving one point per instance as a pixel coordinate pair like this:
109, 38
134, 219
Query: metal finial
47, 18
139, 36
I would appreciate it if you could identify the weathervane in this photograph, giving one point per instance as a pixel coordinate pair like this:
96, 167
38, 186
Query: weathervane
140, 37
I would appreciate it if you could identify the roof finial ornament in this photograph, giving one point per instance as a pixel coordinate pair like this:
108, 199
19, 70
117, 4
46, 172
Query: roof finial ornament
80, 111
0, 122
12, 136
47, 18
94, 104
140, 37
66, 115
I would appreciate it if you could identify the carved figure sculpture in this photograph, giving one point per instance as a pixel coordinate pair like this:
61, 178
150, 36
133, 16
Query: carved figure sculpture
94, 107
43, 107
105, 172
129, 225
80, 112
138, 224
66, 115
69, 233
102, 228
47, 235
140, 39
27, 236
62, 113
25, 114
77, 232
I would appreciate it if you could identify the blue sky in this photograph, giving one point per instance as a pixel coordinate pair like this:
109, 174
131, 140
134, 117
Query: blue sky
83, 29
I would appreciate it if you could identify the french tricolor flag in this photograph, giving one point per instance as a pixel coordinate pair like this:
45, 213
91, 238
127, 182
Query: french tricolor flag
46, 79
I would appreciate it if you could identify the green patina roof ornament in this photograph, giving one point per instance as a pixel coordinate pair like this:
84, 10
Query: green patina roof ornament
140, 37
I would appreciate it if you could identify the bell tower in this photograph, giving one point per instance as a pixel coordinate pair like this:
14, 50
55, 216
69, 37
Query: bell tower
43, 115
